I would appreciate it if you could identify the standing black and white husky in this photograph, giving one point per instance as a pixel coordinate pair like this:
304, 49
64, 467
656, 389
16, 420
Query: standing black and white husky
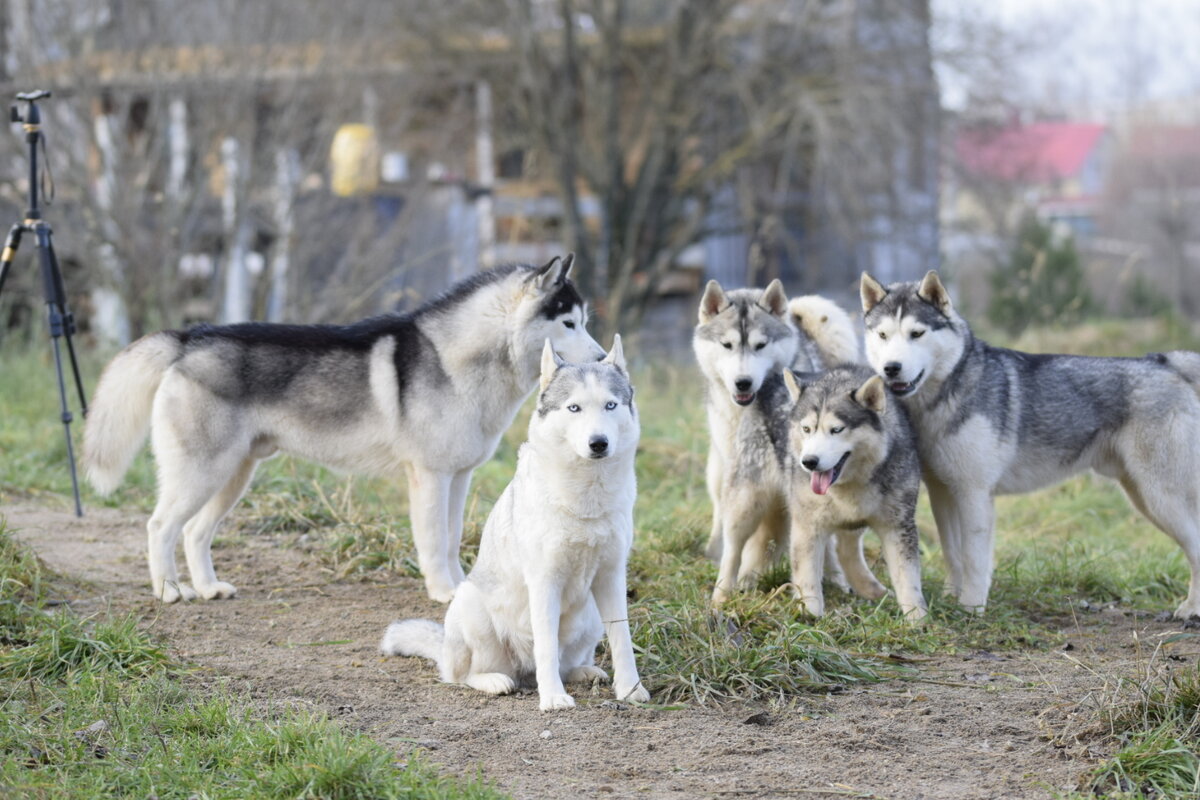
429, 392
744, 339
550, 577
853, 464
993, 421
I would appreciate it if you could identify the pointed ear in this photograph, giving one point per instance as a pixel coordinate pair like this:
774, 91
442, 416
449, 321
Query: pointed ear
872, 292
933, 292
871, 395
550, 364
794, 389
713, 302
567, 264
552, 274
774, 299
616, 356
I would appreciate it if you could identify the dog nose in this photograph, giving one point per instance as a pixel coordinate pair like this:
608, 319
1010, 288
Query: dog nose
743, 384
810, 462
598, 444
891, 369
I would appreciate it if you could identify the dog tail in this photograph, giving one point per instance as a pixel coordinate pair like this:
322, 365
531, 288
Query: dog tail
828, 326
119, 417
413, 637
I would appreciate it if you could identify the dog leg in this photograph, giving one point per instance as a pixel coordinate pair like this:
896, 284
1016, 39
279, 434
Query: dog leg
760, 550
199, 531
429, 507
579, 656
945, 514
180, 497
738, 523
977, 520
545, 615
834, 573
608, 589
862, 580
1173, 510
808, 556
458, 505
902, 553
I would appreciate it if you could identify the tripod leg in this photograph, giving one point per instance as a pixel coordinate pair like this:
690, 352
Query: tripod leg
9, 253
68, 323
52, 287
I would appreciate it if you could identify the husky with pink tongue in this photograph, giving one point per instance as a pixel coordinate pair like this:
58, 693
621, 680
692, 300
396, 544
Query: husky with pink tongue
854, 464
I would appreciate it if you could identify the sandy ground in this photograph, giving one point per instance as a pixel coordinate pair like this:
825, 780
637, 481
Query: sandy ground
976, 726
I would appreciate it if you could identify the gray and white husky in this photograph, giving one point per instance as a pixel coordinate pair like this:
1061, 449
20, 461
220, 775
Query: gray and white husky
550, 577
853, 464
743, 341
994, 421
428, 392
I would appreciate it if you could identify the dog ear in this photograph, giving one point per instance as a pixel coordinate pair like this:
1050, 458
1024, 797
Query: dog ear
933, 292
616, 355
550, 364
713, 302
554, 273
774, 299
872, 395
794, 389
871, 291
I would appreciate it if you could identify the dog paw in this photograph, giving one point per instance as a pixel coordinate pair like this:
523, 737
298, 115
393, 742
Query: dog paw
440, 592
719, 597
634, 694
915, 615
556, 702
1187, 612
217, 590
586, 674
492, 683
173, 592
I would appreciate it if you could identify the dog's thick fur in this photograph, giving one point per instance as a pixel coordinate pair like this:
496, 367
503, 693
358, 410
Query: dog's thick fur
743, 341
429, 392
853, 463
994, 421
550, 577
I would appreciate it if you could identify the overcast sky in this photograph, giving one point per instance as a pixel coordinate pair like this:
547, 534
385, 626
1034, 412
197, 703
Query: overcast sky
1090, 57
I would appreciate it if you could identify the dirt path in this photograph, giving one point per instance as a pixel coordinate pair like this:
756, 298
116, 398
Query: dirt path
981, 726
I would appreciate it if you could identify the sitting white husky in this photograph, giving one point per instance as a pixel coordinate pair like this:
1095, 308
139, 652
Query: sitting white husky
550, 577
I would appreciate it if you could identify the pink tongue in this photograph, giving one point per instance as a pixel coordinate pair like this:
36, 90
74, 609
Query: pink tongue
821, 481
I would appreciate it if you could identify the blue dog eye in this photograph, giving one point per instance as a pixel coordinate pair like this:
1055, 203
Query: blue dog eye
610, 405
574, 409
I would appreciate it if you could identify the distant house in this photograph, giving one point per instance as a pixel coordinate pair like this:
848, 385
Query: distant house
1056, 169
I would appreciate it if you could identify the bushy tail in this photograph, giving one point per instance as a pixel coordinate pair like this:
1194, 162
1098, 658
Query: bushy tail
413, 637
829, 327
119, 417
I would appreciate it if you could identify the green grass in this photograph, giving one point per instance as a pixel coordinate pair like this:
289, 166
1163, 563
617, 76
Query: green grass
96, 708
1059, 552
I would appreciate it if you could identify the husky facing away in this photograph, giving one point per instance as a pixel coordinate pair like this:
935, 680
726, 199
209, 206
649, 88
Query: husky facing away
994, 421
550, 577
429, 392
743, 341
853, 446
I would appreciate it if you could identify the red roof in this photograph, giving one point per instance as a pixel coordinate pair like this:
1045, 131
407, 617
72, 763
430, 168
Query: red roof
1039, 152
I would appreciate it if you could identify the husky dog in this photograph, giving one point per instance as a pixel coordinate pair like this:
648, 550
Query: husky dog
993, 421
550, 577
743, 341
429, 392
854, 447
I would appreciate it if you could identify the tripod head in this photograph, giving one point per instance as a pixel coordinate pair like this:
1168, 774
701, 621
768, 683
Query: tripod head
33, 116
32, 121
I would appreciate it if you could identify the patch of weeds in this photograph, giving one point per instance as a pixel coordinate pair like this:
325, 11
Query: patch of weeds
62, 644
742, 652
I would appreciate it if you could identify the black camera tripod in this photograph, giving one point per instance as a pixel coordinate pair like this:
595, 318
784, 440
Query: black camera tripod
62, 322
